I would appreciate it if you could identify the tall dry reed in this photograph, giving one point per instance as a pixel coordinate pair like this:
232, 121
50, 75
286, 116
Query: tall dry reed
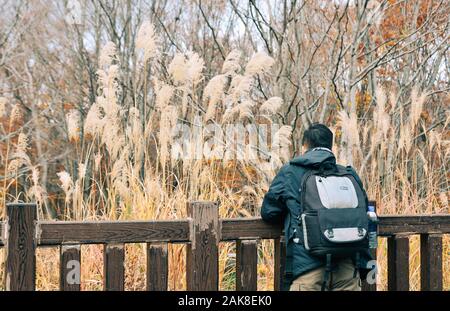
125, 168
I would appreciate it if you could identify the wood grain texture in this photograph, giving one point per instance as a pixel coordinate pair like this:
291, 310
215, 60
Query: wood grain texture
202, 266
431, 262
248, 228
391, 225
279, 260
70, 268
113, 267
2, 234
71, 232
21, 256
398, 263
255, 227
202, 230
157, 266
56, 233
246, 265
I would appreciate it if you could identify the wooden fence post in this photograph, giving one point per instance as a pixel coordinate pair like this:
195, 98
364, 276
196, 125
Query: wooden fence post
280, 257
202, 267
70, 268
246, 265
21, 247
157, 266
114, 269
398, 263
370, 284
431, 262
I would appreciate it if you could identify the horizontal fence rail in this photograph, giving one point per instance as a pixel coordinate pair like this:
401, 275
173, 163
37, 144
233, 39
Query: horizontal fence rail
202, 232
88, 232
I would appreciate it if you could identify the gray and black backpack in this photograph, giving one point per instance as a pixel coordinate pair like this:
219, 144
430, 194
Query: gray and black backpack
333, 218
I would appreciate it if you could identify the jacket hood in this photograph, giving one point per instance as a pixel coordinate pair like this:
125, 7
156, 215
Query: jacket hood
315, 158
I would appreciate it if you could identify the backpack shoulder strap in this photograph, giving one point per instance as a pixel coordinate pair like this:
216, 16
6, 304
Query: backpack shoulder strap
359, 181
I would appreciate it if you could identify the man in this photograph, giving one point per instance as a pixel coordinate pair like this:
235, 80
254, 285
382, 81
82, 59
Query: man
282, 204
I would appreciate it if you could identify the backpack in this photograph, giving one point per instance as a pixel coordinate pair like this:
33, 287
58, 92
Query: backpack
333, 218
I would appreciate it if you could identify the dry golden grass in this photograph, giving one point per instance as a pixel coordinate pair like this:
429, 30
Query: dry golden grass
132, 175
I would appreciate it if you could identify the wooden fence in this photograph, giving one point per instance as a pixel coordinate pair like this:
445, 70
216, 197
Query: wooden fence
202, 231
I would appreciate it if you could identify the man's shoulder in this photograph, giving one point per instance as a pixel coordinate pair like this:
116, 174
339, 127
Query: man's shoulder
345, 167
292, 169
351, 170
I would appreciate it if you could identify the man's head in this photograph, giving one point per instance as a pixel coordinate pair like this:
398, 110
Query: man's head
317, 135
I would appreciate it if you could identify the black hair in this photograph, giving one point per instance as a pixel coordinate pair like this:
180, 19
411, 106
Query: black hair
318, 135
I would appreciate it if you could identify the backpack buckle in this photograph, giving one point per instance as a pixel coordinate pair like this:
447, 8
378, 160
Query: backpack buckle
330, 233
360, 232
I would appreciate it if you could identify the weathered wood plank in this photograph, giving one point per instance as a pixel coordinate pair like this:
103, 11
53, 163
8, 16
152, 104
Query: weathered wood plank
21, 256
279, 260
202, 267
113, 267
255, 227
55, 233
398, 263
246, 265
2, 233
248, 228
70, 268
74, 232
431, 262
391, 225
157, 267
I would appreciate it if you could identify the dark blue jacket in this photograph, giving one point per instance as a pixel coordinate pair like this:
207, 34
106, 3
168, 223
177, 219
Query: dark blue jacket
282, 204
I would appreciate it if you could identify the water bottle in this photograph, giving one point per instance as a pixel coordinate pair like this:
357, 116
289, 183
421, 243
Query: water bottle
373, 220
